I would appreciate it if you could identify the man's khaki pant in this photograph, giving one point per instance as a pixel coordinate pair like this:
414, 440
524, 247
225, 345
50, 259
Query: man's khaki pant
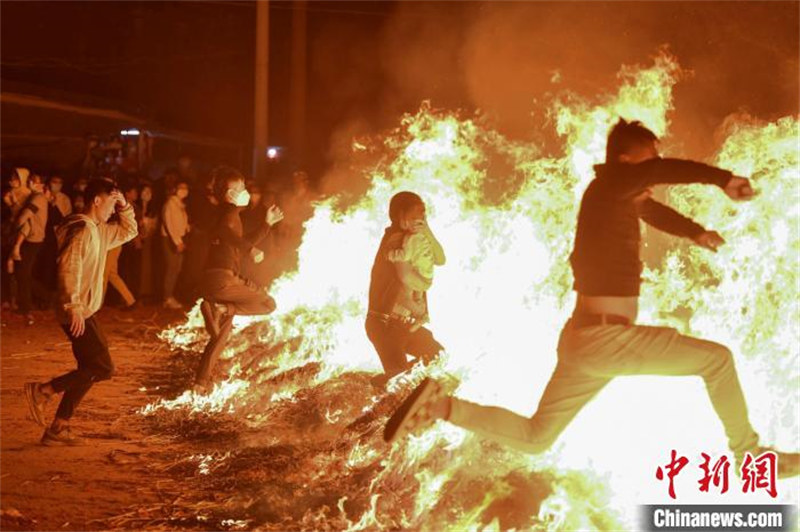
111, 275
588, 358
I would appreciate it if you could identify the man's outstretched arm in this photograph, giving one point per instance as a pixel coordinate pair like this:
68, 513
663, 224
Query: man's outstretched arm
670, 221
638, 177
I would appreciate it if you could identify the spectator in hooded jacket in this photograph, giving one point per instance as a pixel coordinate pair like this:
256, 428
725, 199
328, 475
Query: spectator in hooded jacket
18, 190
31, 223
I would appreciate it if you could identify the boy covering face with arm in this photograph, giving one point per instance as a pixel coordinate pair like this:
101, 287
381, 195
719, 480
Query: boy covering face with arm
415, 260
401, 275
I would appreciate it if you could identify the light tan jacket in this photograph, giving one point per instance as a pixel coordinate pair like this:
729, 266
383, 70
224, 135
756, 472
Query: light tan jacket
175, 221
82, 249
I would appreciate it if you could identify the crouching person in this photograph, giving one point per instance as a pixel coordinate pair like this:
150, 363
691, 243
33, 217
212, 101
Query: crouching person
225, 292
83, 244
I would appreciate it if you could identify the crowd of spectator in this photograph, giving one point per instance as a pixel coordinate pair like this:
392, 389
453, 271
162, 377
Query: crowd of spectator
164, 264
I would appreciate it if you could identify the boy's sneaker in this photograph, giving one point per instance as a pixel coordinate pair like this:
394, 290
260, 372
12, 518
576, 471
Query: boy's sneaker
202, 388
128, 308
172, 303
379, 381
416, 412
62, 437
36, 402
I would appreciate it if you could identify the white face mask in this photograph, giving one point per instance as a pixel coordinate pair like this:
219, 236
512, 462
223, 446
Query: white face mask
242, 199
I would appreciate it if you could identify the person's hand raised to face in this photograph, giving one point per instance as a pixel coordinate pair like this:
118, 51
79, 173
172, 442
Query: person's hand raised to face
274, 215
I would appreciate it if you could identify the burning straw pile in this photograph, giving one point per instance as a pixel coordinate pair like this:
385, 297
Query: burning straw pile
292, 431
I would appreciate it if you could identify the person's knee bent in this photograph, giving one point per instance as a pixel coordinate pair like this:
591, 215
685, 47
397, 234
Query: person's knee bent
539, 434
104, 374
720, 359
537, 440
269, 303
103, 371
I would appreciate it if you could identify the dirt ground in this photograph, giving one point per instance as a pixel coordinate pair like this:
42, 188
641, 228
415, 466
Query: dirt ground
121, 468
315, 462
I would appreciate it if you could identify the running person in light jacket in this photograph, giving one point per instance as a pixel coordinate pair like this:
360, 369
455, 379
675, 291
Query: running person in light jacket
83, 244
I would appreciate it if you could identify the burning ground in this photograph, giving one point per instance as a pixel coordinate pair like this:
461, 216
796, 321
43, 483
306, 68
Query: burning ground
292, 432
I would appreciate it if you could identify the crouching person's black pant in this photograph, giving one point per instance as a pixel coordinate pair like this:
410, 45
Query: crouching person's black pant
394, 340
94, 365
242, 297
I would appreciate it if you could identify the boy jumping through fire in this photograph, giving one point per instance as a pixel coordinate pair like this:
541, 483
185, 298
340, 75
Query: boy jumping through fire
83, 244
225, 292
401, 275
602, 340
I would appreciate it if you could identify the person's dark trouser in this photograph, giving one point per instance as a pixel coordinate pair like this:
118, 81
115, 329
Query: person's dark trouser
46, 271
147, 267
29, 252
393, 340
8, 290
173, 261
243, 297
197, 250
94, 365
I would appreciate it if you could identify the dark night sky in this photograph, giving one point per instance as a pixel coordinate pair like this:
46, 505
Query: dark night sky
190, 63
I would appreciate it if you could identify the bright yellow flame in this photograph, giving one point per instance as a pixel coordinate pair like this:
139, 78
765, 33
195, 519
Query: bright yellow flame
500, 301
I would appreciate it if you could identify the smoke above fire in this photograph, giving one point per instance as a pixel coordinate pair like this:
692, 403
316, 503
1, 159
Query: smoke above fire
505, 212
505, 58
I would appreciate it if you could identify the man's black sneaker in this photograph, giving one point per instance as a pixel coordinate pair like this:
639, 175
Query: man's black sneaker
62, 437
129, 308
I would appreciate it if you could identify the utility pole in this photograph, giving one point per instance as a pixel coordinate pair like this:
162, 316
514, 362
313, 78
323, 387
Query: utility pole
297, 92
261, 125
